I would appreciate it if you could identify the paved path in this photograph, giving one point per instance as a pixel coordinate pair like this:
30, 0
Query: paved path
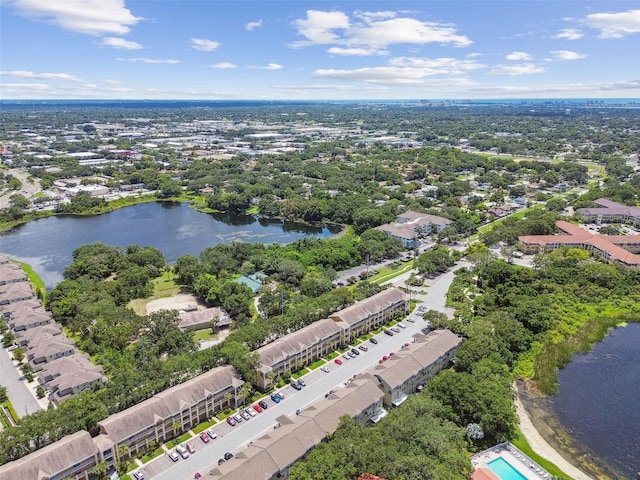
19, 393
28, 189
542, 448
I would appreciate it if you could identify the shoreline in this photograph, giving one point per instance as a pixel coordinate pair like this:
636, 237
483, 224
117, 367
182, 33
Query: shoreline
541, 446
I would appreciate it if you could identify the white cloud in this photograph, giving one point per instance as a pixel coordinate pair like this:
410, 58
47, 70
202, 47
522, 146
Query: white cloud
567, 55
112, 82
88, 86
147, 60
39, 76
557, 90
269, 66
405, 30
356, 51
253, 25
515, 70
331, 86
318, 27
204, 45
518, 56
25, 86
90, 17
614, 25
569, 34
121, 43
373, 16
474, 55
390, 76
223, 65
437, 66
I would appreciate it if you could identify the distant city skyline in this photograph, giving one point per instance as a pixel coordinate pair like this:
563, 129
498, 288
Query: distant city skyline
318, 50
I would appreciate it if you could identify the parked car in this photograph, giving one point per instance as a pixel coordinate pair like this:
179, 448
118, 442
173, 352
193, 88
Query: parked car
251, 411
238, 417
138, 475
263, 404
298, 412
182, 451
374, 341
221, 461
411, 320
364, 348
395, 329
295, 385
325, 369
426, 330
213, 435
275, 397
281, 395
385, 358
402, 325
301, 382
355, 351
197, 476
351, 354
244, 414
228, 456
173, 456
389, 332
338, 361
191, 448
392, 354
231, 421
204, 437
346, 357
257, 408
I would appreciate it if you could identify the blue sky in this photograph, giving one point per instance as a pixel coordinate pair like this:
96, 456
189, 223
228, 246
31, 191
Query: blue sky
270, 49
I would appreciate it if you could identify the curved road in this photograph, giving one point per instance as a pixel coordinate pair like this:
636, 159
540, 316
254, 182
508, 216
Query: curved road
28, 189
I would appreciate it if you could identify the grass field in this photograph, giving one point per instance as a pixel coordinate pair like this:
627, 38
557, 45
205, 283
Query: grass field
163, 287
524, 446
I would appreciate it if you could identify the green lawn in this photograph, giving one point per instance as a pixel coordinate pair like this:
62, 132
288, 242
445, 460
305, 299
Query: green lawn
332, 355
186, 436
316, 364
37, 282
520, 214
205, 334
386, 273
524, 446
203, 426
300, 373
150, 456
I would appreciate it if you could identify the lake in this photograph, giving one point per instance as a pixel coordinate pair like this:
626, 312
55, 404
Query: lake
598, 402
174, 228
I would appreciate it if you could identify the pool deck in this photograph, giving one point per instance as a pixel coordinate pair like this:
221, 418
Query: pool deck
518, 460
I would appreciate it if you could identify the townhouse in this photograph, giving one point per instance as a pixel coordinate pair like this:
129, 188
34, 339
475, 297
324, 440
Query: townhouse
609, 211
410, 226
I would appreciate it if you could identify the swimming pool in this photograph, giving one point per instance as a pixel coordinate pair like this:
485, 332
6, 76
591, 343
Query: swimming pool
505, 470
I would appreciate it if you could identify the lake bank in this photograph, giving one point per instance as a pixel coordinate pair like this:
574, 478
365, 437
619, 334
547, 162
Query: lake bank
601, 436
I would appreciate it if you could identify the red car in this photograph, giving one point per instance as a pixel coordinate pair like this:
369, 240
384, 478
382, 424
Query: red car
257, 408
204, 437
231, 421
385, 358
392, 354
197, 475
338, 361
191, 448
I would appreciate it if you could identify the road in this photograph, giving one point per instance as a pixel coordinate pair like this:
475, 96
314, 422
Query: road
21, 397
233, 439
28, 189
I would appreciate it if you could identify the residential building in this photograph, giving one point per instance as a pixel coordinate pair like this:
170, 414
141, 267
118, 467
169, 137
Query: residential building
297, 349
610, 212
73, 456
25, 316
46, 348
24, 338
69, 376
12, 273
613, 248
409, 369
216, 317
372, 312
171, 412
272, 455
16, 292
410, 226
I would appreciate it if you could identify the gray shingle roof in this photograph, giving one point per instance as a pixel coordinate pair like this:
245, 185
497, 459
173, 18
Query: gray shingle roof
371, 306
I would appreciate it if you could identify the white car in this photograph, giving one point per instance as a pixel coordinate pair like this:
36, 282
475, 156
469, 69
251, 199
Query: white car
346, 357
401, 325
213, 435
251, 411
324, 369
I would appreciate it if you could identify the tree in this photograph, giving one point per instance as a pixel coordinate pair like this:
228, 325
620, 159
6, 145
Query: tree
3, 394
101, 471
8, 339
19, 354
40, 391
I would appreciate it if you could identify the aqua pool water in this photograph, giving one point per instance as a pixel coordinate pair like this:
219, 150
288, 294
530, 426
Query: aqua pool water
505, 470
